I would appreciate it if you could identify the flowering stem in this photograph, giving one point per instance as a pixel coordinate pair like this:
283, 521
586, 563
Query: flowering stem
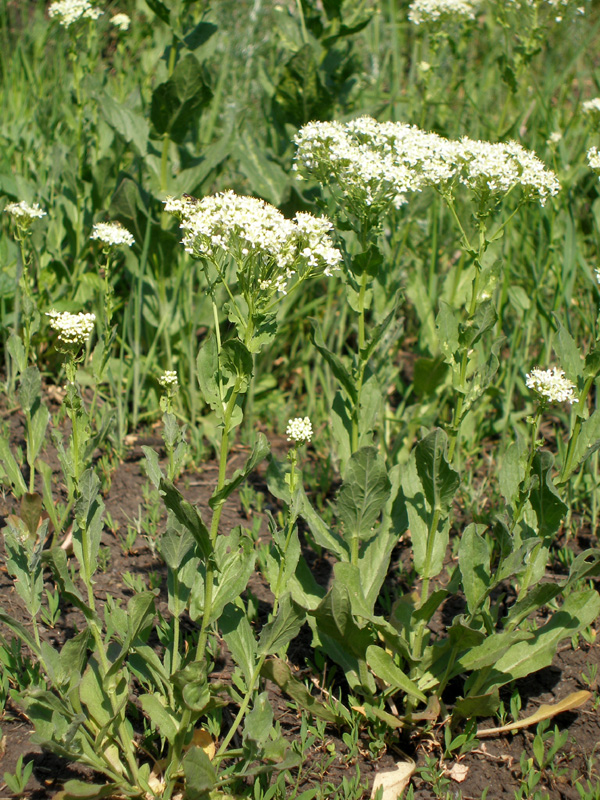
527, 477
361, 364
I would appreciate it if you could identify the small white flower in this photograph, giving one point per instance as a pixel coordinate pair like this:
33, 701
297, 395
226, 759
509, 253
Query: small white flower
591, 106
73, 329
23, 211
554, 138
112, 234
121, 21
169, 380
69, 11
551, 385
597, 274
593, 157
299, 430
423, 11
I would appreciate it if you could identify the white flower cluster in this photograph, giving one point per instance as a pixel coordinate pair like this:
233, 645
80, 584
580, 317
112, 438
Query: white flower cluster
23, 211
376, 164
498, 168
424, 11
112, 234
70, 11
169, 380
551, 385
299, 430
591, 106
72, 329
268, 248
593, 157
121, 21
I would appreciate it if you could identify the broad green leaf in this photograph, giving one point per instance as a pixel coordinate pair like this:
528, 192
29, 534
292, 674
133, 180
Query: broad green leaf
160, 716
364, 493
240, 640
276, 635
549, 509
259, 722
537, 596
512, 471
39, 425
21, 631
236, 565
267, 178
587, 443
490, 650
474, 562
82, 790
382, 664
207, 365
340, 418
174, 546
30, 388
236, 359
484, 705
11, 467
569, 355
153, 469
323, 535
447, 323
176, 103
200, 775
300, 94
160, 9
31, 512
17, 351
484, 319
188, 516
579, 610
336, 365
440, 482
260, 451
191, 686
132, 126
334, 618
276, 670
430, 374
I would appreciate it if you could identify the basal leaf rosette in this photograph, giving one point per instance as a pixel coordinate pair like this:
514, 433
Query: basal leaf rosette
271, 254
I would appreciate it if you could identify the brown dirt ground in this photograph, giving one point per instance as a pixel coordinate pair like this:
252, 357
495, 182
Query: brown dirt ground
494, 764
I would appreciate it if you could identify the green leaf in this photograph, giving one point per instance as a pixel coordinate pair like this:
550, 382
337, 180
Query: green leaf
276, 635
132, 126
15, 476
17, 351
579, 610
267, 178
160, 716
176, 103
240, 640
207, 366
323, 535
174, 546
336, 365
300, 94
160, 9
81, 790
259, 721
490, 650
30, 388
544, 498
569, 355
334, 617
153, 469
447, 322
21, 631
430, 374
474, 562
382, 664
188, 516
587, 443
276, 670
236, 359
484, 705
31, 512
260, 451
440, 482
200, 775
364, 493
484, 319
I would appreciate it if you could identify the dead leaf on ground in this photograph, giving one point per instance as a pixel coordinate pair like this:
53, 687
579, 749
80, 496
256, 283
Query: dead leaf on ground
545, 711
458, 772
394, 782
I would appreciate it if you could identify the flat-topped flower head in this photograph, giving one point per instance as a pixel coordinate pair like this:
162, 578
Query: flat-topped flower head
444, 11
73, 330
121, 21
496, 169
68, 12
269, 250
23, 212
112, 234
593, 157
591, 107
551, 386
299, 430
168, 380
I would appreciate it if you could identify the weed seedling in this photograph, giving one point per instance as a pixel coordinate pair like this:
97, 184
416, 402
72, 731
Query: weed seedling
18, 780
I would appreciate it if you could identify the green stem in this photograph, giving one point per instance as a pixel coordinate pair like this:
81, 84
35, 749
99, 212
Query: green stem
361, 364
244, 706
